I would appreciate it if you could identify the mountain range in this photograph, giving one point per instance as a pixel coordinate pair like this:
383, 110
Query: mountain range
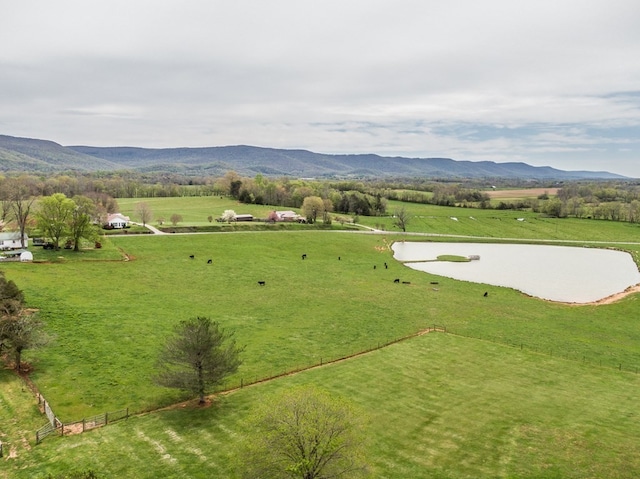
43, 156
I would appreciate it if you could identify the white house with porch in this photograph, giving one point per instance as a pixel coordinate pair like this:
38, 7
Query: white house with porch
117, 221
11, 240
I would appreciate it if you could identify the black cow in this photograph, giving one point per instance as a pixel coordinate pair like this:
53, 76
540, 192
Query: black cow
386, 266
486, 293
261, 283
209, 261
304, 256
397, 280
191, 256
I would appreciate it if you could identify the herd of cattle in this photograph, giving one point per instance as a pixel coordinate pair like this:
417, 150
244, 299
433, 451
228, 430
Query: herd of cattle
304, 256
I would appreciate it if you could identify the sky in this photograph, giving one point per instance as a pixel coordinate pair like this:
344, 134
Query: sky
546, 82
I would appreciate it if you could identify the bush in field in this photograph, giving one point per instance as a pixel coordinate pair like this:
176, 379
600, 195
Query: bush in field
175, 219
305, 433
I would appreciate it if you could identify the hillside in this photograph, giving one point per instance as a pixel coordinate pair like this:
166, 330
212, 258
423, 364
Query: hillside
41, 156
23, 154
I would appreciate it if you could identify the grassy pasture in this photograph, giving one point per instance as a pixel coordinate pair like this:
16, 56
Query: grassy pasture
438, 405
194, 209
490, 224
495, 224
441, 405
109, 317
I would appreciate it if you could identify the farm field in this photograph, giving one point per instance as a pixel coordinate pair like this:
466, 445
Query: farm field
438, 405
430, 219
195, 210
519, 387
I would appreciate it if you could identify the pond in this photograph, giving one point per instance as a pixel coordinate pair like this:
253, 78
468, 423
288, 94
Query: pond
557, 273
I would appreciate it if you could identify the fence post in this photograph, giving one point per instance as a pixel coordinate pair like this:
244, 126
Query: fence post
0, 448
106, 418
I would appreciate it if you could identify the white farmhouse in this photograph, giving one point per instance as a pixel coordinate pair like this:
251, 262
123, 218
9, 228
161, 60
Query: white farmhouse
117, 221
11, 240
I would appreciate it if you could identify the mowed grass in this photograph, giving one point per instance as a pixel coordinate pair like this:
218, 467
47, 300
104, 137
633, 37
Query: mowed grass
109, 319
496, 224
195, 210
548, 390
437, 405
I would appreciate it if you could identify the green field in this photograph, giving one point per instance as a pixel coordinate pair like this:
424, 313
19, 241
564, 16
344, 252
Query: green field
518, 387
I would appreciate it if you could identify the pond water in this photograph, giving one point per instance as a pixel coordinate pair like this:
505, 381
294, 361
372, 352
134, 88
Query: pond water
557, 273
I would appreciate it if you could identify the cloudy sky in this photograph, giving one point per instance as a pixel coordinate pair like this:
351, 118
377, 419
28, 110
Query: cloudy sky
546, 82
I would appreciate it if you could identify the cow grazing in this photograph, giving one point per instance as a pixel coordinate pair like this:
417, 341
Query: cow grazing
486, 293
338, 258
386, 266
406, 282
209, 261
304, 256
374, 266
397, 280
191, 256
261, 283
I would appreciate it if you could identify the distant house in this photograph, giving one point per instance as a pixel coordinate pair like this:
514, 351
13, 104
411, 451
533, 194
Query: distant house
117, 221
287, 216
243, 218
11, 240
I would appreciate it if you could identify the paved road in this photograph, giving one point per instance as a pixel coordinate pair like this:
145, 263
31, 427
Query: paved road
369, 230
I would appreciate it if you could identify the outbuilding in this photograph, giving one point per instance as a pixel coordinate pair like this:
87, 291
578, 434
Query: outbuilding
11, 240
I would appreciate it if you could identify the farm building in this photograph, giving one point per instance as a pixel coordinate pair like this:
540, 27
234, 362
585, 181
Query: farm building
285, 216
243, 218
11, 240
117, 221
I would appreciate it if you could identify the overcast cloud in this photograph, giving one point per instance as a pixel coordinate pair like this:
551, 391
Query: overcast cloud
550, 82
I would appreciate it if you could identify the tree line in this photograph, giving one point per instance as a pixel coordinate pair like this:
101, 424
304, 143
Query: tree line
610, 200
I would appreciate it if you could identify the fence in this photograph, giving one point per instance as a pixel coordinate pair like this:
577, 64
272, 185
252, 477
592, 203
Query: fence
56, 426
575, 356
323, 362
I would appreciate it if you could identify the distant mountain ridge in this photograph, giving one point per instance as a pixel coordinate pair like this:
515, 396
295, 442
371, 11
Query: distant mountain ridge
42, 156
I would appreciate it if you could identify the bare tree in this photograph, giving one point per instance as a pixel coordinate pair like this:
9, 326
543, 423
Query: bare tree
175, 219
21, 331
18, 199
401, 218
199, 356
144, 212
305, 433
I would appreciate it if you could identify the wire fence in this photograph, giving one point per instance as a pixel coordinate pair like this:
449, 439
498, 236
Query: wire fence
558, 352
55, 426
322, 362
